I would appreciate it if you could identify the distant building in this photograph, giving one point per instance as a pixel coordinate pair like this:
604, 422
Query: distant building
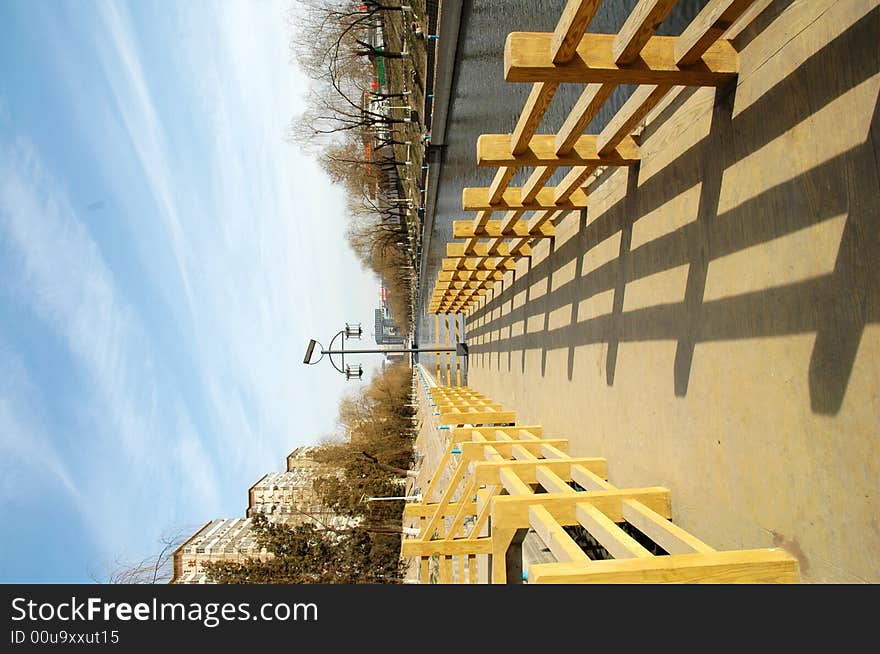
283, 497
225, 539
386, 331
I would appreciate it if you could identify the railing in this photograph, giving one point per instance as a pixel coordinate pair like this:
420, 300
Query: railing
657, 64
509, 478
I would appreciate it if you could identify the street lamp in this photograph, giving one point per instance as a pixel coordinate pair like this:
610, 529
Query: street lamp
356, 371
415, 497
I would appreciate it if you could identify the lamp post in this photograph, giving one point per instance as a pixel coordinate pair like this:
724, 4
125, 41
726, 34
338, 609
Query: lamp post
356, 371
415, 497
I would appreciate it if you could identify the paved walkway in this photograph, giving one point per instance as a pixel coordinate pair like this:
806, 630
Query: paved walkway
710, 324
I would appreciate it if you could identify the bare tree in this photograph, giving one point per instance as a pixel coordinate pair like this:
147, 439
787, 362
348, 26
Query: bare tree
157, 568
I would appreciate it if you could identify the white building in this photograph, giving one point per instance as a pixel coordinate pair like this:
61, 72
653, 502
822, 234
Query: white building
283, 497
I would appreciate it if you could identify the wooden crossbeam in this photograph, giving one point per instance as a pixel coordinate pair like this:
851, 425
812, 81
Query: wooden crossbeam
637, 106
422, 510
572, 182
638, 28
482, 250
472, 198
581, 115
672, 538
446, 547
705, 30
468, 275
499, 183
572, 24
486, 472
512, 482
527, 59
459, 285
477, 418
512, 512
589, 480
493, 150
544, 218
464, 510
535, 183
471, 450
463, 434
436, 520
552, 482
465, 229
614, 539
448, 297
742, 566
555, 537
530, 118
476, 263
481, 219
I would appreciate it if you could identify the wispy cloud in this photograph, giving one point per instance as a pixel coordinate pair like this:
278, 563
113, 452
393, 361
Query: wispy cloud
181, 402
56, 271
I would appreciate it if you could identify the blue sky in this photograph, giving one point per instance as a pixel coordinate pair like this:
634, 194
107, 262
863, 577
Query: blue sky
165, 255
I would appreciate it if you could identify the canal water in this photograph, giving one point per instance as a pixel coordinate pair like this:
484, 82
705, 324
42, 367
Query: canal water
482, 102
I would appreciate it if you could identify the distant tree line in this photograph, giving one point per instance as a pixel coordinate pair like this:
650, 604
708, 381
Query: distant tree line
349, 128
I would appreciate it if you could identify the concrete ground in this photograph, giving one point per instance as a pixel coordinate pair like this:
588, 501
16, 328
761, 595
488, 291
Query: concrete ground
710, 323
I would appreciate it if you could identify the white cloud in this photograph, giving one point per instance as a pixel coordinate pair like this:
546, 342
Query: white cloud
117, 471
258, 264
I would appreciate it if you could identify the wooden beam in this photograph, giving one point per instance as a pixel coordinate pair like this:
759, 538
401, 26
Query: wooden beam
466, 275
477, 263
493, 150
709, 25
480, 250
485, 510
445, 547
552, 482
549, 450
458, 285
581, 115
572, 182
508, 478
512, 512
589, 480
572, 24
421, 510
768, 566
477, 418
465, 509
465, 229
637, 106
555, 537
446, 407
527, 59
437, 519
473, 450
447, 454
462, 434
445, 570
474, 197
499, 183
544, 218
481, 219
614, 539
530, 118
536, 182
667, 535
486, 472
638, 28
